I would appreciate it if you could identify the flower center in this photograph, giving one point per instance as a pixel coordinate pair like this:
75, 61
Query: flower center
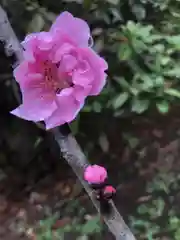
53, 79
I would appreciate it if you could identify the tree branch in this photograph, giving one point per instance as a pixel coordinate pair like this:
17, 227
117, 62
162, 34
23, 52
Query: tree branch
78, 162
67, 143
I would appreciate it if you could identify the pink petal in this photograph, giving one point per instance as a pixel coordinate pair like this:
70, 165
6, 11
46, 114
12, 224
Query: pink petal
32, 81
42, 40
66, 48
29, 55
66, 92
97, 65
45, 41
34, 112
68, 63
98, 84
30, 40
80, 93
67, 110
83, 78
75, 28
37, 105
21, 71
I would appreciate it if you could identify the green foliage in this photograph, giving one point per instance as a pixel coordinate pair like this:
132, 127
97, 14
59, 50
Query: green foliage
78, 226
150, 58
156, 215
90, 227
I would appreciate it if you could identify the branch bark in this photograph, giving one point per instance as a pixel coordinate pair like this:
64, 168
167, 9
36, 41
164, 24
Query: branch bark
67, 143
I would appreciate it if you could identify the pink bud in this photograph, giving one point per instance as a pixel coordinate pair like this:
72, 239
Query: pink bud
95, 174
109, 190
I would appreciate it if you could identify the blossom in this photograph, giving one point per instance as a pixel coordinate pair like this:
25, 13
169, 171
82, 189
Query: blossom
95, 174
58, 72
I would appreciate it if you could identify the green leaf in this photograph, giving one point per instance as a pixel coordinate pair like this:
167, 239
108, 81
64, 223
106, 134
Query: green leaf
124, 52
87, 4
159, 47
131, 26
47, 234
122, 82
159, 81
139, 45
87, 108
159, 204
139, 106
132, 141
165, 60
175, 14
175, 40
150, 235
174, 222
152, 38
115, 2
103, 142
120, 100
84, 237
147, 81
140, 223
97, 107
126, 86
117, 16
92, 226
163, 106
173, 92
36, 24
142, 209
139, 11
175, 72
143, 31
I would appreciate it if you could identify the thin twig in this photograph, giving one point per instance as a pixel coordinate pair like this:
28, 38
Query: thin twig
67, 143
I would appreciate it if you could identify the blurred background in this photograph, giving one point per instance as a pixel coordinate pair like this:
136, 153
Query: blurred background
132, 128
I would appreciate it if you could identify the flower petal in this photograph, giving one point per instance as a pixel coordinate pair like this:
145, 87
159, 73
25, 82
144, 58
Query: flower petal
45, 40
21, 71
64, 49
42, 40
68, 63
97, 65
30, 40
80, 93
83, 78
67, 110
75, 28
37, 105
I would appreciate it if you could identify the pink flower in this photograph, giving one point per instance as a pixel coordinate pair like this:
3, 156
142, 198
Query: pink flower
95, 174
58, 72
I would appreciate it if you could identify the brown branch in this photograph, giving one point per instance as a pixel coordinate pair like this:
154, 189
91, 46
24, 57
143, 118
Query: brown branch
67, 143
